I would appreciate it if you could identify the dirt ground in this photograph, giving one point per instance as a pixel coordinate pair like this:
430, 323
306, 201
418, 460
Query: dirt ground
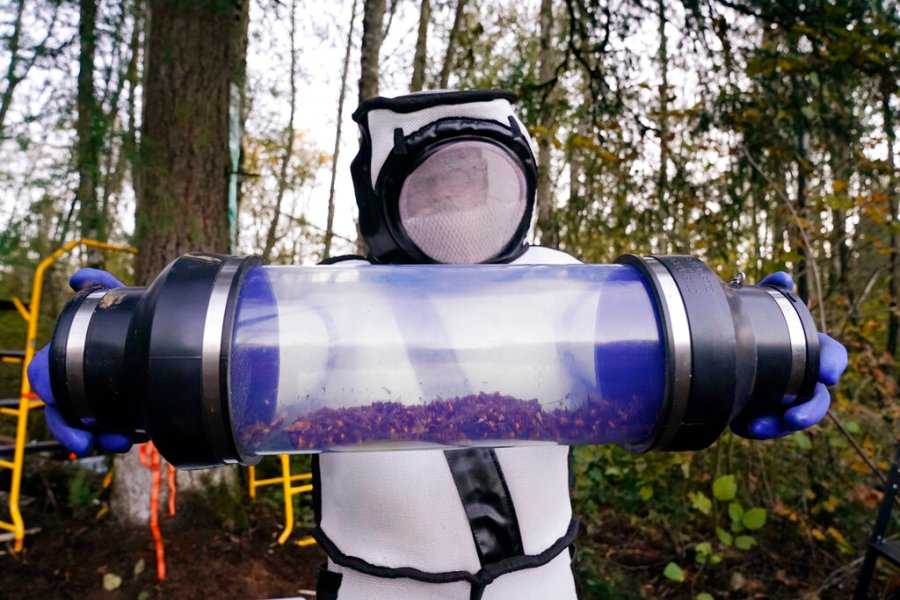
69, 558
73, 550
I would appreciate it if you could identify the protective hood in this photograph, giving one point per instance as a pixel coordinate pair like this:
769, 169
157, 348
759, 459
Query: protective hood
443, 177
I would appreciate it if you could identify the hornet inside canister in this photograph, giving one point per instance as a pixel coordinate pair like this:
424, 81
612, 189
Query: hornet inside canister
224, 360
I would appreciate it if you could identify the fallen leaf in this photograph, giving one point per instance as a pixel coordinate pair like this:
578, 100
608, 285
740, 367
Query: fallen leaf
111, 582
674, 572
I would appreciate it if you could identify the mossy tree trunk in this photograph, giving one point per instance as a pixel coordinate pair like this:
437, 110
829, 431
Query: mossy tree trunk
196, 52
89, 126
547, 223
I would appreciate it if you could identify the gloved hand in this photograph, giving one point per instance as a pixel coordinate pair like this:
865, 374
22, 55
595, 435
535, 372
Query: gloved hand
79, 441
791, 418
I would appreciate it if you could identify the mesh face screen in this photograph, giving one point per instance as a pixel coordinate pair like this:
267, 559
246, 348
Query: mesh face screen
464, 203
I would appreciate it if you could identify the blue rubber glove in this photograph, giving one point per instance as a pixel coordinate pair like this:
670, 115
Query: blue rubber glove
832, 362
79, 441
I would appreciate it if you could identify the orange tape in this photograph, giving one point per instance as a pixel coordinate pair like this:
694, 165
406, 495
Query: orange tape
150, 458
171, 491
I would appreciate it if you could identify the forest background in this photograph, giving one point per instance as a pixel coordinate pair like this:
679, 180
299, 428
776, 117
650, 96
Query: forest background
756, 134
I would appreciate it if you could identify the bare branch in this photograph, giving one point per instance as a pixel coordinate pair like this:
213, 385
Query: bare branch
329, 223
288, 143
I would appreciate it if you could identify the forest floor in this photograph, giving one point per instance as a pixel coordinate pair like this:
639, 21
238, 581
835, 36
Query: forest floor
70, 558
76, 555
628, 562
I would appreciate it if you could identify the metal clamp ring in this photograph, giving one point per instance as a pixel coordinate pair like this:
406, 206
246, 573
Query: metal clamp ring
210, 360
679, 334
798, 340
75, 344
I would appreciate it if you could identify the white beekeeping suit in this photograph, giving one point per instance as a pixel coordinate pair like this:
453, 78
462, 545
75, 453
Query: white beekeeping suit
446, 177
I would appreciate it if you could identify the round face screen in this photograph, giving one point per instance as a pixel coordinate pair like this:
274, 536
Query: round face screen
464, 203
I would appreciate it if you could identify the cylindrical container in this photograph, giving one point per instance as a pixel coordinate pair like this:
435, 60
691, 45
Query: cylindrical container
225, 360
419, 356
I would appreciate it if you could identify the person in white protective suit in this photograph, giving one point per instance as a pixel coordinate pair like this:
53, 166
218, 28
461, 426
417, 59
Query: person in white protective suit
445, 177
449, 177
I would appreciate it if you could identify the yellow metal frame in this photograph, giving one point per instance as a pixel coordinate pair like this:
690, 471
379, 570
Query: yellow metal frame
286, 480
27, 399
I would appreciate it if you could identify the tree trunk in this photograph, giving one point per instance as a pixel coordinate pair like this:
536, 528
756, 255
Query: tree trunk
16, 69
370, 50
329, 223
89, 128
662, 179
118, 158
421, 58
195, 51
839, 271
373, 18
888, 86
11, 80
271, 234
802, 275
135, 76
570, 232
390, 19
547, 225
451, 43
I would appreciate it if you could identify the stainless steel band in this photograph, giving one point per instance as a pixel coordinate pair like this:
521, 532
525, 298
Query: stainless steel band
798, 341
211, 362
678, 335
75, 344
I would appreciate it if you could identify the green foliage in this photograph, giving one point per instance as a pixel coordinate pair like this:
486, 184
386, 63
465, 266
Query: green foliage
754, 518
225, 504
603, 474
798, 90
744, 542
725, 488
724, 536
700, 502
801, 440
84, 489
674, 572
705, 554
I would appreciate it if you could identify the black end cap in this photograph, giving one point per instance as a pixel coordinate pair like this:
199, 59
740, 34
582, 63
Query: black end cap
112, 401
713, 355
174, 319
702, 414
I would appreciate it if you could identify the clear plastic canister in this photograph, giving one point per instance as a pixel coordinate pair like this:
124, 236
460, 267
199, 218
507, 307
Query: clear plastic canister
222, 360
394, 357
